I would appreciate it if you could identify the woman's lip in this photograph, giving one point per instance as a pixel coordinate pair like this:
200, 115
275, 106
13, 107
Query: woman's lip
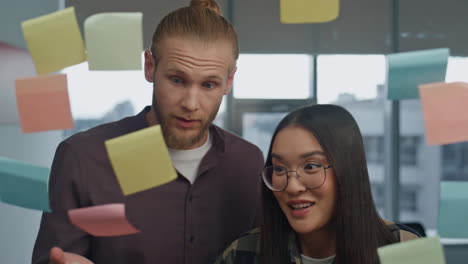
301, 212
293, 202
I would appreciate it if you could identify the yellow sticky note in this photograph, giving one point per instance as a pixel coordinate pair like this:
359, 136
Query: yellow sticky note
308, 11
103, 32
54, 41
141, 160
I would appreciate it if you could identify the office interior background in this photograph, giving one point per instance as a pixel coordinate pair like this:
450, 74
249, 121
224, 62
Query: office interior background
280, 68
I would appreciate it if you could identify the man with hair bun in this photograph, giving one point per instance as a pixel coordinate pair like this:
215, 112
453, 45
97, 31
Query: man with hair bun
191, 63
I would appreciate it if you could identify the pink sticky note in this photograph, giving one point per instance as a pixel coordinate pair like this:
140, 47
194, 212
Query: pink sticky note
102, 220
445, 108
43, 103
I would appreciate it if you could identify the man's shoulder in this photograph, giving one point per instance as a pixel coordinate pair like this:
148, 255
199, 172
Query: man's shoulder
103, 132
234, 141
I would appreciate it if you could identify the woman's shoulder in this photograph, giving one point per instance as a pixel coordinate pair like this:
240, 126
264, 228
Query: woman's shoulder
245, 249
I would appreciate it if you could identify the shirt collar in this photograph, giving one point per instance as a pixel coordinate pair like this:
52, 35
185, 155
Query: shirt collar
212, 157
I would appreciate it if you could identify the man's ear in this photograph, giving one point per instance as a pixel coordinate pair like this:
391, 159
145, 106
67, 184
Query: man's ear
230, 80
149, 66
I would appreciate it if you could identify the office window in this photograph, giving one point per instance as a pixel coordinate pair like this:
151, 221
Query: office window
454, 157
408, 198
455, 162
356, 83
409, 150
374, 148
273, 76
423, 166
259, 127
347, 78
98, 97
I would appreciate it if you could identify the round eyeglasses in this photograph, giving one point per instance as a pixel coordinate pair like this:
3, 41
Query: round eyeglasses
311, 175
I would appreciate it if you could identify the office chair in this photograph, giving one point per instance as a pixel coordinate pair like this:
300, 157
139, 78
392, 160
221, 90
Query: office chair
414, 227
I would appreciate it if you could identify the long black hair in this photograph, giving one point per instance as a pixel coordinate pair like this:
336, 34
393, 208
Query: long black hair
359, 228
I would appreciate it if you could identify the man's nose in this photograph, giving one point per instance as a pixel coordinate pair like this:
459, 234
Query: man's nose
190, 100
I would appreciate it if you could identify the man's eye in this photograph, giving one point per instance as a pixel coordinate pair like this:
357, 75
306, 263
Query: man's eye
177, 80
209, 85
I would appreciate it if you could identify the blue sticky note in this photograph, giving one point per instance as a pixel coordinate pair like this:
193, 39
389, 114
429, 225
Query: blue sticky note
407, 70
24, 184
453, 209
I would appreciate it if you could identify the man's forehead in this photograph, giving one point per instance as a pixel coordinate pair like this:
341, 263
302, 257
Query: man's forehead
218, 49
186, 55
196, 40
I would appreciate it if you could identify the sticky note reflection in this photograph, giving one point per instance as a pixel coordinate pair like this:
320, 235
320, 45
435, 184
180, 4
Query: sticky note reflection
444, 108
43, 103
24, 185
54, 41
308, 11
407, 70
453, 212
114, 41
102, 220
418, 251
141, 160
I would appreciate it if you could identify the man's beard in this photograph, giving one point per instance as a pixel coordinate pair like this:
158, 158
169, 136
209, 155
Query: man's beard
173, 138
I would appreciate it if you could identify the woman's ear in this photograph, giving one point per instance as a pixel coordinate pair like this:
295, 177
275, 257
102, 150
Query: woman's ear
149, 66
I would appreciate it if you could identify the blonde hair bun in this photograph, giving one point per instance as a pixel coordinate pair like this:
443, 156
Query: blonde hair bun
210, 4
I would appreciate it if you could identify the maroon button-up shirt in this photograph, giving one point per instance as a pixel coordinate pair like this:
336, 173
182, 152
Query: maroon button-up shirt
180, 222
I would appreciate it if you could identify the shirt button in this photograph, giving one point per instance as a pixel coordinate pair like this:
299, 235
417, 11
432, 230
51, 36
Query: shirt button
190, 198
191, 239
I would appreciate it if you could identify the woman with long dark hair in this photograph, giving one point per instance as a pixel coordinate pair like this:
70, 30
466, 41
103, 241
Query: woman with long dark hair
317, 201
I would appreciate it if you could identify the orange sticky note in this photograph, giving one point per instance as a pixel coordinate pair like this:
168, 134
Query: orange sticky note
445, 109
43, 103
102, 220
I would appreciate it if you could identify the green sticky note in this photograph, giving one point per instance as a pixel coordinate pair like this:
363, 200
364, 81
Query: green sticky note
114, 41
141, 160
24, 184
407, 70
418, 251
453, 209
54, 41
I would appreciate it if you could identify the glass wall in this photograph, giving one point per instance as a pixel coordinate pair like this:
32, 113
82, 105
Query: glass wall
356, 82
273, 76
126, 93
267, 86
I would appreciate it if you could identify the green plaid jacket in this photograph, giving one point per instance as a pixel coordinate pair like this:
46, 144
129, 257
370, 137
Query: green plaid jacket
246, 249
